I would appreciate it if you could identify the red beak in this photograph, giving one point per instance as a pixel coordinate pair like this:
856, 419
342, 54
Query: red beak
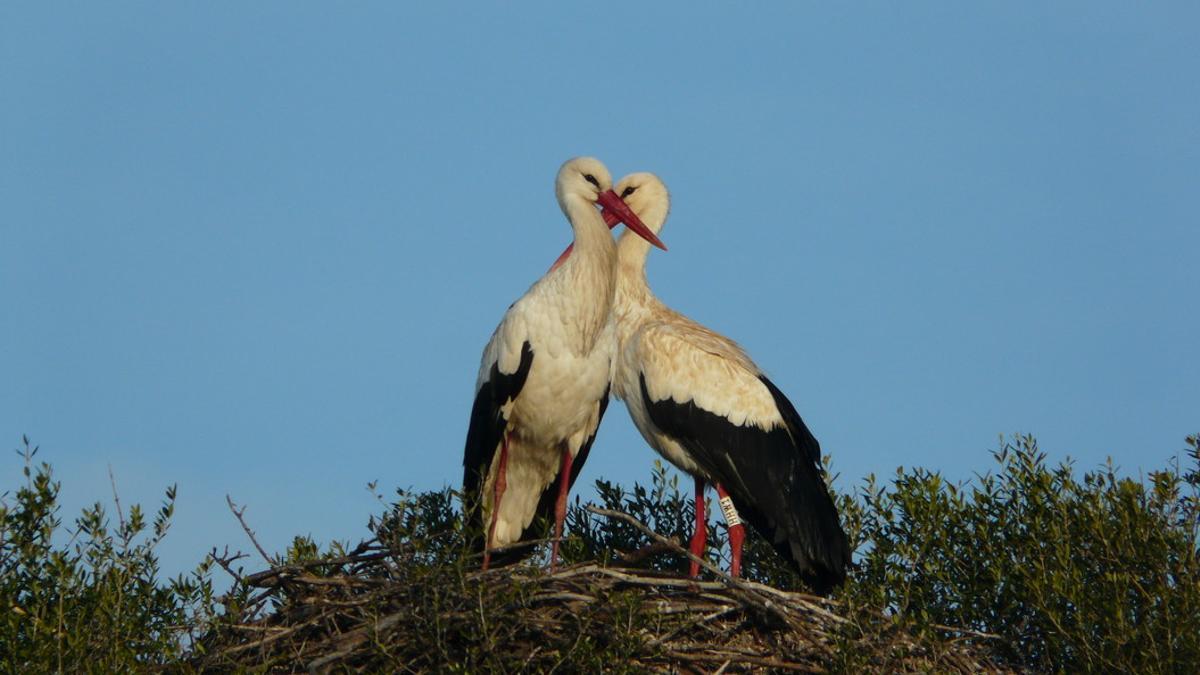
611, 219
612, 203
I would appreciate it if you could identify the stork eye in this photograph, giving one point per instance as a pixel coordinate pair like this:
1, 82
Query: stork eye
592, 179
628, 191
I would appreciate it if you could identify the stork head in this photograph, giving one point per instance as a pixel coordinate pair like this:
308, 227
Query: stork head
647, 196
587, 178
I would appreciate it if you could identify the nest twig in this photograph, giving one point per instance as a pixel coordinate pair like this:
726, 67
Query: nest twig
382, 609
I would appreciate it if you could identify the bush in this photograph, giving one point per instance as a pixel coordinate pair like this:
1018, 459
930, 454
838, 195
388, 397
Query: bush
1094, 575
95, 601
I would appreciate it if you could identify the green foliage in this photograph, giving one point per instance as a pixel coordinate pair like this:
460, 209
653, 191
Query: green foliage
662, 506
1098, 574
426, 525
94, 602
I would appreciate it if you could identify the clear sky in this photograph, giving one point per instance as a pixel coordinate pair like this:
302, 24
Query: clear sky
257, 249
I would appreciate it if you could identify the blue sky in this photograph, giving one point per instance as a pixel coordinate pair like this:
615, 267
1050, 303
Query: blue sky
257, 250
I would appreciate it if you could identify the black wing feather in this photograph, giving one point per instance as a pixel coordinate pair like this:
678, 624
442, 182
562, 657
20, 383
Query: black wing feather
774, 477
486, 429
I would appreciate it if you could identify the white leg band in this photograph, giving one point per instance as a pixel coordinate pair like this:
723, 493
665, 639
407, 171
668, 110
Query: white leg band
731, 514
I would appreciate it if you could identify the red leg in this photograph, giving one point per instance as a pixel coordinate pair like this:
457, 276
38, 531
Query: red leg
700, 535
560, 506
737, 532
497, 491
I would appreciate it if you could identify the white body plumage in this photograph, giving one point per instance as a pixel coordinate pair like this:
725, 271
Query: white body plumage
701, 403
565, 319
544, 377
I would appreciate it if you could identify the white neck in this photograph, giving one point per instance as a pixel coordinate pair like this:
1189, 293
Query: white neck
584, 285
635, 302
591, 234
632, 251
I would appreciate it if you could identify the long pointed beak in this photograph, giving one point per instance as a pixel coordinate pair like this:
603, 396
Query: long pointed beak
611, 219
612, 203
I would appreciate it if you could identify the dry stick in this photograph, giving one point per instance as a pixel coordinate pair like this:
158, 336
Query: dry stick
271, 638
645, 552
352, 639
117, 499
788, 595
608, 513
225, 560
563, 596
336, 581
524, 543
529, 659
672, 583
260, 578
692, 624
666, 607
965, 631
743, 659
249, 532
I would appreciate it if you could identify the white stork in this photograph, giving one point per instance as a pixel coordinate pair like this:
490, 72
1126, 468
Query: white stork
544, 379
700, 401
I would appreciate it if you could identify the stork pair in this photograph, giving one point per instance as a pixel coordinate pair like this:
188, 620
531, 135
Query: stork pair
590, 326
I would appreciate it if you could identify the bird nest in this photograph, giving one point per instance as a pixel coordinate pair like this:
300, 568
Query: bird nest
389, 610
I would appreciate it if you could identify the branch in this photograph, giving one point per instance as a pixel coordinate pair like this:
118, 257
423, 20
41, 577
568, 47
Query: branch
116, 499
249, 533
645, 552
226, 561
663, 541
